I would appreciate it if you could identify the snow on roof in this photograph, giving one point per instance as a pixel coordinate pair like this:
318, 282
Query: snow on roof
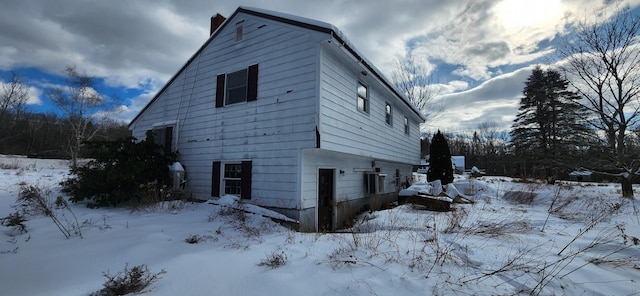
292, 17
580, 173
331, 29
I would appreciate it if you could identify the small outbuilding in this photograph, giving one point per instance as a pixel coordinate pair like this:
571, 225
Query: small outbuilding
581, 176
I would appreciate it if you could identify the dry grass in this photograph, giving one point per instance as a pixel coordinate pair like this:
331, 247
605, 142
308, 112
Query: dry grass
153, 198
274, 260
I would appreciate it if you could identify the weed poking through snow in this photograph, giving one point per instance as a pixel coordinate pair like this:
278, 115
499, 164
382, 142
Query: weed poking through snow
33, 201
131, 280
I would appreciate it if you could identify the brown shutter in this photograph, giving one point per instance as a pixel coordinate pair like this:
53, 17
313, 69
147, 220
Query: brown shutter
252, 83
245, 189
168, 140
215, 179
220, 91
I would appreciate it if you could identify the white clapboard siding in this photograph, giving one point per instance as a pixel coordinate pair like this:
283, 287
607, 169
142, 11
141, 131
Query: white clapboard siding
270, 131
346, 129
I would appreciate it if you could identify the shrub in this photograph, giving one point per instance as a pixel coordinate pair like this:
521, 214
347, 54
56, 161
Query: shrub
196, 239
153, 197
129, 281
440, 166
16, 221
274, 260
117, 170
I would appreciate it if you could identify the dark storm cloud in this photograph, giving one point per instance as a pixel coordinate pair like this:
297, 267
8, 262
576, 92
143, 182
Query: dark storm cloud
128, 41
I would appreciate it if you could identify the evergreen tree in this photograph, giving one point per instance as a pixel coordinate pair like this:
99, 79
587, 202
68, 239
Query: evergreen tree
549, 126
440, 166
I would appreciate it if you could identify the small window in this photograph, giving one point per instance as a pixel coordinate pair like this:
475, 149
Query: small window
239, 32
233, 179
406, 125
374, 182
363, 98
236, 87
388, 117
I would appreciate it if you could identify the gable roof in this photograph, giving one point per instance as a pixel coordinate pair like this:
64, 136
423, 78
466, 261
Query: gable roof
302, 22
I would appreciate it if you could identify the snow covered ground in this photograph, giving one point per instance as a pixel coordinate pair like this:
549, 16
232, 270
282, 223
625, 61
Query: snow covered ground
528, 238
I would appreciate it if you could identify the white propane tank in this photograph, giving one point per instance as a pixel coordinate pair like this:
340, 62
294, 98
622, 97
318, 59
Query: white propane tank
177, 176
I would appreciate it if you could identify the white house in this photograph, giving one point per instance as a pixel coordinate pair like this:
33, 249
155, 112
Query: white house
285, 113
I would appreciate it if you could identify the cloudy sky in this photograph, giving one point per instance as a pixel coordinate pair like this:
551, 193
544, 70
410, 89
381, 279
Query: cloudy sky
478, 52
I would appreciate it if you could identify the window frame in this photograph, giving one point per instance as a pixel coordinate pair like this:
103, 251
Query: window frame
249, 85
164, 136
219, 178
243, 85
407, 130
374, 183
237, 179
364, 107
388, 114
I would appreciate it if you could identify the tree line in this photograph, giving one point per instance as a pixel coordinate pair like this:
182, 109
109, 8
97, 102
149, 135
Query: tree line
25, 132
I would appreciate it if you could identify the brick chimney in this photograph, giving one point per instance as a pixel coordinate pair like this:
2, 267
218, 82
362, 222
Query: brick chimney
216, 21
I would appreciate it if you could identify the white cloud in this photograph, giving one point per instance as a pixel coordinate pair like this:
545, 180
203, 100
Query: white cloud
496, 100
141, 44
34, 96
33, 93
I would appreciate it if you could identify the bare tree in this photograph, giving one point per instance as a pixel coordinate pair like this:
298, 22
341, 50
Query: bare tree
603, 64
492, 139
413, 79
14, 96
80, 103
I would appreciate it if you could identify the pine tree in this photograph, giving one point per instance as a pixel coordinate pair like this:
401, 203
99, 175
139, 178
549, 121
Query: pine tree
440, 166
549, 125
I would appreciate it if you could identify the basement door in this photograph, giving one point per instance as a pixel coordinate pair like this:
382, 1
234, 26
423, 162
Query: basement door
325, 199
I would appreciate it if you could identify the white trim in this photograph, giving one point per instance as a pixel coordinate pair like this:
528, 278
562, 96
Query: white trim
165, 123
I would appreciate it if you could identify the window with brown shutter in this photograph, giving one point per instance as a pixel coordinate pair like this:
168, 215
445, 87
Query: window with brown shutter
237, 87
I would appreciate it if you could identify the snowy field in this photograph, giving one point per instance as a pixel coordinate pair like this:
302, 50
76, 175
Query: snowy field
517, 238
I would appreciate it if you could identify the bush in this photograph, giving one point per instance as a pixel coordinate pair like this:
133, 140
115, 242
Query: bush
117, 170
129, 281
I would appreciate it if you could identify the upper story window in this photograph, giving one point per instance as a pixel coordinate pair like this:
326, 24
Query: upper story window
237, 87
363, 98
388, 114
406, 125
